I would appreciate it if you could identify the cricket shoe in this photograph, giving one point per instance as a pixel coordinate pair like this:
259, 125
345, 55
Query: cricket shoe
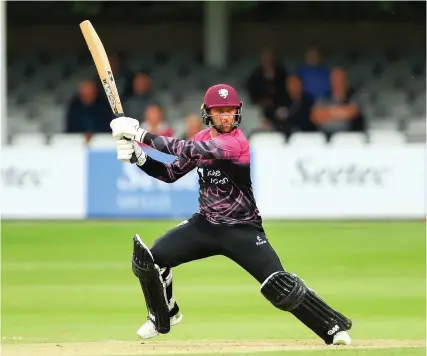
148, 330
342, 338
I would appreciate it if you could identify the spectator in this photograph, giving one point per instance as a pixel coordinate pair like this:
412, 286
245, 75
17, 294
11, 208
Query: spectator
193, 125
141, 98
87, 111
265, 84
154, 121
294, 111
338, 111
314, 75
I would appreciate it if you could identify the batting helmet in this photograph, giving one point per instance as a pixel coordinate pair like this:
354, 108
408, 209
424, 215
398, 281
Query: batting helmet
221, 95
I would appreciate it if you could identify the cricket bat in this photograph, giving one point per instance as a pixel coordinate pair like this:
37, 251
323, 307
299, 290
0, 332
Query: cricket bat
103, 67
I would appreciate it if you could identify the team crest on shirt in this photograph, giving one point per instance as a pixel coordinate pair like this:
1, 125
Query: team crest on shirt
223, 93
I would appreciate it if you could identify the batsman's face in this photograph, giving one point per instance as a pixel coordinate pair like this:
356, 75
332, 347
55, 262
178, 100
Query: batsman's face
224, 117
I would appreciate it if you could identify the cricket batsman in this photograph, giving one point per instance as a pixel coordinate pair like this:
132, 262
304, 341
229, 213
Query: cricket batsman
228, 222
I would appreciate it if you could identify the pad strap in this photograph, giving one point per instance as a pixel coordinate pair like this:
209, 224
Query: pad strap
166, 274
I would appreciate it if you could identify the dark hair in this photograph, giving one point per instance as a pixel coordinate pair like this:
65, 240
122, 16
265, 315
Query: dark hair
295, 75
156, 104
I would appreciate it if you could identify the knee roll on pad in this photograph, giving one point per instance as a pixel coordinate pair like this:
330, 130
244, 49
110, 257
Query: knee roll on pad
142, 259
284, 290
152, 285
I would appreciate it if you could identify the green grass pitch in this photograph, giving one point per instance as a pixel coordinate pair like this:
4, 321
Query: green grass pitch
70, 284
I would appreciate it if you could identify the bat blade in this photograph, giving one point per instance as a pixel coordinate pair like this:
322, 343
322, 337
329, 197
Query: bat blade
102, 64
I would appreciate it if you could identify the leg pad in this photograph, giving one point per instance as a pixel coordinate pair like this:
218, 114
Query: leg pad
152, 285
289, 293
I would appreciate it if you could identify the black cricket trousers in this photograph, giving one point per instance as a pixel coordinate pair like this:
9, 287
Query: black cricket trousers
197, 238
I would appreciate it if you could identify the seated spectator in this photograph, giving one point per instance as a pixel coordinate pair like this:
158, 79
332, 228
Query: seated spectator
193, 125
338, 110
154, 121
265, 84
294, 109
122, 77
314, 75
87, 112
141, 97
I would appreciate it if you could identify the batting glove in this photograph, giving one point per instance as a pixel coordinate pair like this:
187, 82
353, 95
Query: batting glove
128, 128
129, 151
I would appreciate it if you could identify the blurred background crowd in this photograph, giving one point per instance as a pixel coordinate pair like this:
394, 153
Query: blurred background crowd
299, 67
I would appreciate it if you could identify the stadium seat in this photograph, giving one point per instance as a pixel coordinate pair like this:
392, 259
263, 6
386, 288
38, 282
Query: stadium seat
102, 140
386, 137
417, 125
307, 139
70, 140
348, 139
267, 139
416, 130
29, 139
384, 123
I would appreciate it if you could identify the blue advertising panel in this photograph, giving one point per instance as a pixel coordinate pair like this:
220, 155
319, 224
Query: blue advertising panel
121, 190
